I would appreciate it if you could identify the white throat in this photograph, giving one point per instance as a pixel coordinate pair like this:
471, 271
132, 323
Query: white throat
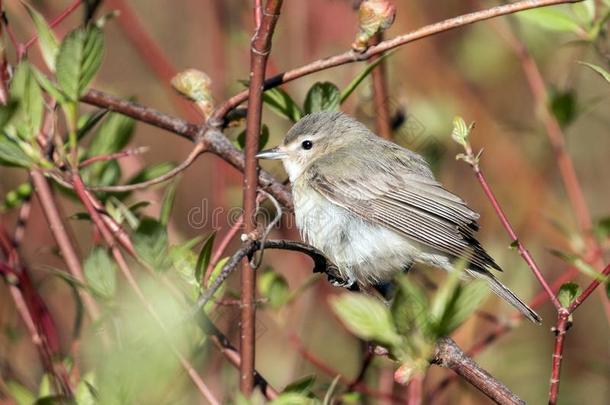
293, 168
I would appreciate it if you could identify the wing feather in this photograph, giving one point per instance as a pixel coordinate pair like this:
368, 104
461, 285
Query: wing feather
413, 204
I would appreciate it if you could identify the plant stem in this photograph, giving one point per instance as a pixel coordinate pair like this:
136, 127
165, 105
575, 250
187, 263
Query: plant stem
259, 53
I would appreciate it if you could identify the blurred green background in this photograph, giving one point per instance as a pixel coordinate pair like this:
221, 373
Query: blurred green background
471, 72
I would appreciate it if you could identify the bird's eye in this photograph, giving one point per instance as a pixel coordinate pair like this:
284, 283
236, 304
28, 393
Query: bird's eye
307, 145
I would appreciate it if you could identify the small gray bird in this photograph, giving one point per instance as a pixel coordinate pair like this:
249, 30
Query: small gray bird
374, 208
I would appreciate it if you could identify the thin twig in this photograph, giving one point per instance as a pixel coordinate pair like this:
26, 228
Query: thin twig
472, 160
80, 190
58, 229
185, 164
349, 57
603, 278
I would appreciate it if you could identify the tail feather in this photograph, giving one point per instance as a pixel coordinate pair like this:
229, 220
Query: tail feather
503, 292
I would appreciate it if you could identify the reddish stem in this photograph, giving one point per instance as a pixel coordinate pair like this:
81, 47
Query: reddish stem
585, 294
380, 95
560, 331
259, 53
513, 235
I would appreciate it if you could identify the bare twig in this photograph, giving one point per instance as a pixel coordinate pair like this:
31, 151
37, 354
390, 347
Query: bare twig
350, 56
222, 246
585, 294
79, 189
472, 160
185, 164
58, 229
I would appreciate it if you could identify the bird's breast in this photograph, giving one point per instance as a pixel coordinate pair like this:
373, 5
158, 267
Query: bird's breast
362, 250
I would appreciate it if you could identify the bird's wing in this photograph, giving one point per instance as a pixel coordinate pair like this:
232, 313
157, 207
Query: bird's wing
408, 201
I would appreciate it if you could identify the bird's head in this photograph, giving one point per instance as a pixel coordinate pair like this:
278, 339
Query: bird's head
315, 136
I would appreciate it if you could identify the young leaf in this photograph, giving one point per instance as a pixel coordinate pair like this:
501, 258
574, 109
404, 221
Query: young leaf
49, 46
599, 70
169, 197
51, 88
114, 134
280, 102
151, 243
274, 287
100, 272
366, 318
7, 112
568, 293
410, 309
564, 107
264, 138
86, 122
322, 96
11, 153
551, 19
292, 398
303, 384
78, 60
26, 91
203, 260
602, 228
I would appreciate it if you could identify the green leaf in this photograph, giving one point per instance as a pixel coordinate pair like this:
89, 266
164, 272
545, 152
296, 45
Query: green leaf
551, 19
464, 300
366, 318
49, 46
293, 398
461, 130
48, 86
151, 243
580, 264
303, 384
563, 106
86, 122
78, 60
205, 255
568, 293
602, 228
169, 197
280, 102
7, 112
410, 308
264, 138
361, 76
85, 392
100, 272
11, 153
113, 135
217, 269
274, 287
322, 96
26, 91
599, 70
19, 393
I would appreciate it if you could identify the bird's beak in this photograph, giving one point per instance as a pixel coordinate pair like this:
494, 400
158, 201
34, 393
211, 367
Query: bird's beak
274, 153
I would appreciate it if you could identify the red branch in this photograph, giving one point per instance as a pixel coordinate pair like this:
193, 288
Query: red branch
511, 232
259, 53
64, 14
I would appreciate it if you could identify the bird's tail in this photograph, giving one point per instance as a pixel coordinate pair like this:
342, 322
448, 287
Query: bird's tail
503, 292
